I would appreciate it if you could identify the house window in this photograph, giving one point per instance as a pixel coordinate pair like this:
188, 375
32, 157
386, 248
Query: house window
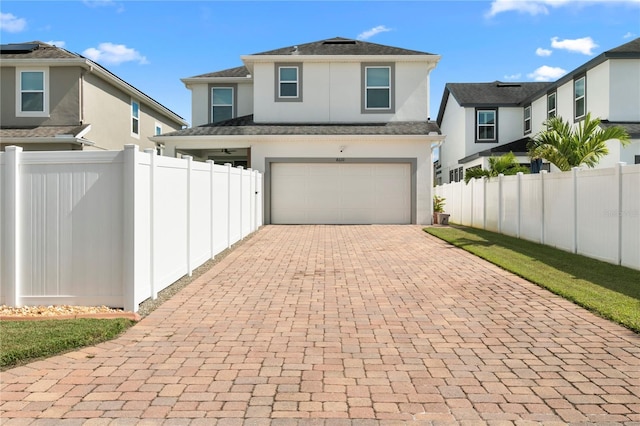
551, 105
288, 82
451, 176
527, 119
135, 118
221, 104
378, 91
637, 159
579, 97
486, 130
157, 129
32, 97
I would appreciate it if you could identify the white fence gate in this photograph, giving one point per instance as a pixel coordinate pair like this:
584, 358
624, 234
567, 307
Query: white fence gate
114, 227
595, 212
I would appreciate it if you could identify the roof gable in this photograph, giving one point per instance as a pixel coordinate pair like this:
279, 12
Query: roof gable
494, 94
340, 46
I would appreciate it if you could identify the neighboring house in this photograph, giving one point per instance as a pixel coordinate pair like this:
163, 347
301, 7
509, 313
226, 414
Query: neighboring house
485, 119
52, 99
339, 127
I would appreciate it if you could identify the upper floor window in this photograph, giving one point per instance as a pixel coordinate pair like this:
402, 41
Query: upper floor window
527, 119
551, 105
580, 97
486, 121
135, 118
288, 82
32, 97
378, 88
221, 104
157, 129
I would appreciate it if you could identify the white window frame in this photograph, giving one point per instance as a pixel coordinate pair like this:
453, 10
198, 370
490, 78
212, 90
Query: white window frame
45, 92
134, 119
297, 81
157, 129
552, 112
577, 98
527, 119
494, 125
233, 94
367, 87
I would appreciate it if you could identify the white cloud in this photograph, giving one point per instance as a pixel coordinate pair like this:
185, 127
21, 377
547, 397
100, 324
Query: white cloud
11, 23
543, 52
109, 53
583, 45
532, 7
56, 43
629, 35
373, 31
513, 77
547, 73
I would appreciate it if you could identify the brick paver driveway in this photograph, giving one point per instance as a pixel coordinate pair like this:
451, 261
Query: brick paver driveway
377, 324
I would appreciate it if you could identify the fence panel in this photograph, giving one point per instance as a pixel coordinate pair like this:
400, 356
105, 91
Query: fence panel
597, 190
492, 206
629, 214
466, 214
477, 208
531, 208
113, 228
246, 202
510, 206
559, 208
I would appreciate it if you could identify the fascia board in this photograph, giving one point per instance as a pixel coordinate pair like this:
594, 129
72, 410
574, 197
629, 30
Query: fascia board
248, 59
244, 139
206, 80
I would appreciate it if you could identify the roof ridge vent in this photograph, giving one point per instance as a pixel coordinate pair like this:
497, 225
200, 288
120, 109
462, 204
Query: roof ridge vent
501, 84
339, 41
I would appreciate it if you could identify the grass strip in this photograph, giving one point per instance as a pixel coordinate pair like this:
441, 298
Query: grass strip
26, 341
608, 290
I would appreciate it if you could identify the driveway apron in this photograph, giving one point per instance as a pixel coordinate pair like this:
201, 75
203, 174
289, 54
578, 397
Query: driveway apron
344, 325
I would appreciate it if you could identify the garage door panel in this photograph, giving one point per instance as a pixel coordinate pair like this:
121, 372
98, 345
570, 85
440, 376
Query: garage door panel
344, 193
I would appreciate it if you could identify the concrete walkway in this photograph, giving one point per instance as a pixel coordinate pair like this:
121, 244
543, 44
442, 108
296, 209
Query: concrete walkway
322, 324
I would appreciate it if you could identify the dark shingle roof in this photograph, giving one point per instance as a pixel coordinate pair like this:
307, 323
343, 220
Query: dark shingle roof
246, 126
632, 47
342, 46
231, 72
42, 131
493, 94
518, 147
633, 128
41, 51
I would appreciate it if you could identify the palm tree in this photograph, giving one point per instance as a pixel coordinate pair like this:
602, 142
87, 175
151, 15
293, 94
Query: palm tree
505, 164
567, 147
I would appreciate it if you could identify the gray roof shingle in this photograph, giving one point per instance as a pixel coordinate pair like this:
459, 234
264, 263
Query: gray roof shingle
241, 71
341, 46
245, 126
41, 131
633, 128
41, 51
495, 94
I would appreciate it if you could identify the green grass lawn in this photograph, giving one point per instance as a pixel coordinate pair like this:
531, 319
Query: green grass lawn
609, 290
25, 341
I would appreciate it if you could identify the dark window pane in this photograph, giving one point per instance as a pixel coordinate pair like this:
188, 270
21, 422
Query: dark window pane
134, 126
486, 133
580, 107
486, 117
32, 80
579, 85
221, 113
288, 74
377, 98
289, 89
377, 77
33, 102
135, 110
223, 96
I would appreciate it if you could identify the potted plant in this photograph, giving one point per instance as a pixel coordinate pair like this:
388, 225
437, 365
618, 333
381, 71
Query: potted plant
438, 207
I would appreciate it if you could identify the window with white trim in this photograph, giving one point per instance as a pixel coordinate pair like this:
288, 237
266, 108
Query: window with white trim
551, 105
377, 88
157, 129
580, 97
486, 130
135, 118
221, 104
32, 98
527, 119
288, 82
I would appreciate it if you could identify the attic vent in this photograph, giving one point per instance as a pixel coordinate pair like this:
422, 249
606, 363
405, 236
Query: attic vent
339, 42
18, 48
509, 85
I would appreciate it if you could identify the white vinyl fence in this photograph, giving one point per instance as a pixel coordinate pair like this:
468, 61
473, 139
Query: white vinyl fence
114, 227
595, 212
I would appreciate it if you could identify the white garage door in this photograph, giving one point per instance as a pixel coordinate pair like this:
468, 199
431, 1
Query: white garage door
340, 193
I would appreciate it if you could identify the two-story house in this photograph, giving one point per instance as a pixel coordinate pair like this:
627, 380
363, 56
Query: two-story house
485, 119
338, 127
52, 99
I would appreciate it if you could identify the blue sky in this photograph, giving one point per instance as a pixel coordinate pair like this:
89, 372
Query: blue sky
153, 44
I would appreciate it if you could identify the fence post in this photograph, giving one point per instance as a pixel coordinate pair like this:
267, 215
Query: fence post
619, 214
212, 206
519, 198
252, 201
189, 177
484, 202
228, 204
543, 173
500, 203
13, 228
129, 228
241, 203
152, 228
574, 176
473, 192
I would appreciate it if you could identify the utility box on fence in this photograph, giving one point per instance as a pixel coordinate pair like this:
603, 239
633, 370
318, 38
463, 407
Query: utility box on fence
443, 218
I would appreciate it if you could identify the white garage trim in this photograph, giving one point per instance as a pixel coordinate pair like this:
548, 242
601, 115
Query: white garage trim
270, 160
